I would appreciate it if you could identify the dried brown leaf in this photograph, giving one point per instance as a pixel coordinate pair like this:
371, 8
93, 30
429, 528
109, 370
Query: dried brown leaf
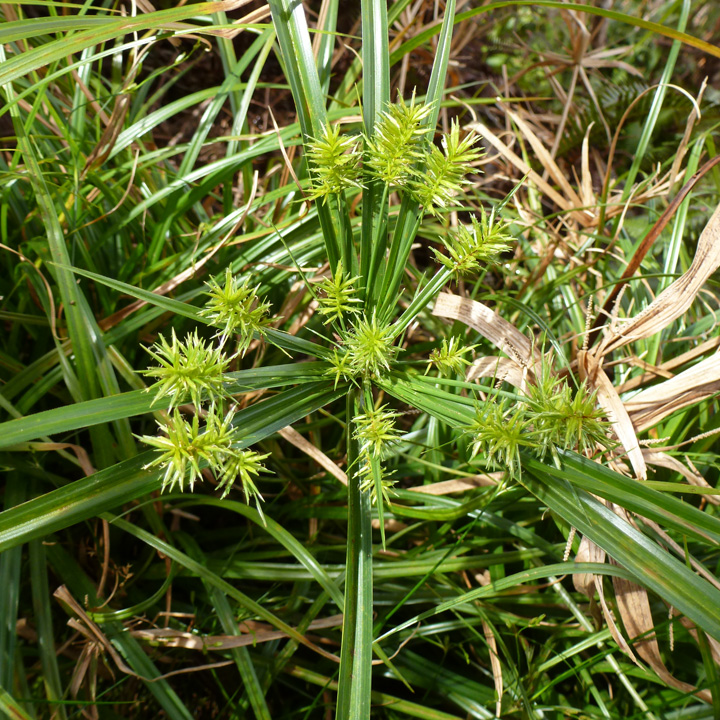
446, 487
697, 383
296, 439
490, 325
607, 397
661, 459
676, 299
258, 633
498, 368
592, 553
634, 607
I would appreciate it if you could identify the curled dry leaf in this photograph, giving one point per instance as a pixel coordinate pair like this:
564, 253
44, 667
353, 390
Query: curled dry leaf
250, 636
80, 452
651, 405
610, 620
499, 368
661, 459
446, 487
675, 300
504, 335
592, 553
591, 371
546, 160
484, 580
634, 607
691, 386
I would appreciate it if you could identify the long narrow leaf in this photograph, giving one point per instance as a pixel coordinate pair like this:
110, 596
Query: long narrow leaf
128, 480
652, 566
138, 402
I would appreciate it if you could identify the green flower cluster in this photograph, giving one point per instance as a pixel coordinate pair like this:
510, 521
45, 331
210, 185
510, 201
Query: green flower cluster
551, 418
375, 432
194, 371
399, 147
469, 246
183, 447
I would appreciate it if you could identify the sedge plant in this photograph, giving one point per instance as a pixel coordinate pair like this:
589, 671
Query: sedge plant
314, 337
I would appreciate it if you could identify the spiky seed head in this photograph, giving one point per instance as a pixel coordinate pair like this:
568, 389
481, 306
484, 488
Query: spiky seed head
335, 163
340, 295
445, 173
186, 370
397, 142
234, 307
375, 430
185, 447
341, 367
468, 246
369, 344
448, 358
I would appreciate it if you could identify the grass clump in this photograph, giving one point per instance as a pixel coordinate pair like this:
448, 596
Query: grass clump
393, 496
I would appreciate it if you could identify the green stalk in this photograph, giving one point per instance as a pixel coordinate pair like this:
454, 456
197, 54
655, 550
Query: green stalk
302, 74
421, 300
410, 211
15, 494
405, 231
377, 251
353, 701
44, 625
347, 651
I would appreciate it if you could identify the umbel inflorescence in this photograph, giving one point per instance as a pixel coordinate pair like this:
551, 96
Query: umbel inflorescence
362, 328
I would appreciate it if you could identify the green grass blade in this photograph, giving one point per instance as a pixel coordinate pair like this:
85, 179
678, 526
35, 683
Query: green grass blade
362, 659
241, 655
276, 337
352, 579
498, 587
88, 348
141, 664
276, 531
633, 495
44, 626
652, 566
376, 61
376, 97
301, 72
10, 707
127, 481
325, 44
15, 493
74, 43
214, 580
410, 210
139, 402
643, 142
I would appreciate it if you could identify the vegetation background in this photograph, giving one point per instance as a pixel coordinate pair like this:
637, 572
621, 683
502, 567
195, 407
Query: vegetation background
148, 148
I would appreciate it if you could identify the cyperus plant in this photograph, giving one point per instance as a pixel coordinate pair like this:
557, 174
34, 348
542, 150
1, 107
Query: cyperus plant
339, 296
377, 392
235, 309
184, 446
549, 419
449, 358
